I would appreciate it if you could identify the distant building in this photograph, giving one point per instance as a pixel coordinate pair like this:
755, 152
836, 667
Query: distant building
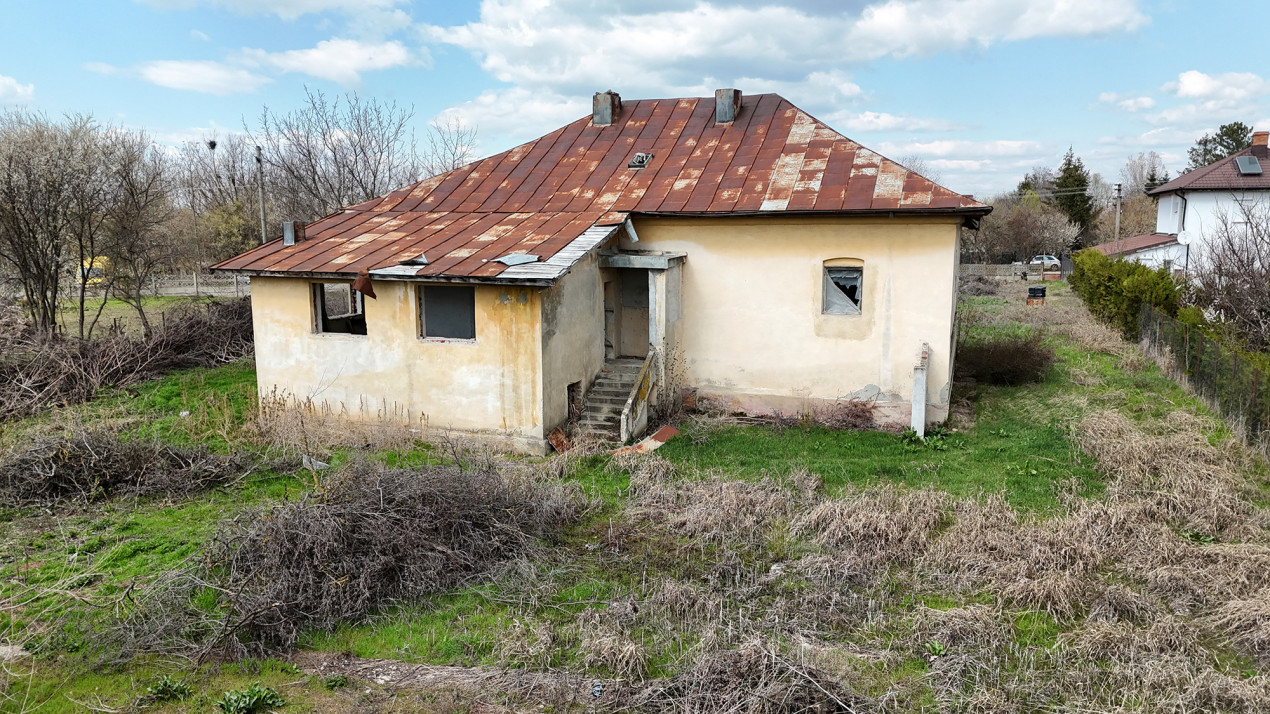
1194, 205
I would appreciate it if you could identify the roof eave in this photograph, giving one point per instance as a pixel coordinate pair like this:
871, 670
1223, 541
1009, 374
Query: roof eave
311, 275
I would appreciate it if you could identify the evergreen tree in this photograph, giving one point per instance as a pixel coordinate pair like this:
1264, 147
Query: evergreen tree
1154, 180
1229, 139
1071, 196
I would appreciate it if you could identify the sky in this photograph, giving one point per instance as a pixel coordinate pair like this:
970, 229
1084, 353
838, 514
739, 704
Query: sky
981, 90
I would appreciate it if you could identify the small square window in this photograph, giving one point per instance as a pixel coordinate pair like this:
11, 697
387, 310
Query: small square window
447, 312
842, 289
339, 309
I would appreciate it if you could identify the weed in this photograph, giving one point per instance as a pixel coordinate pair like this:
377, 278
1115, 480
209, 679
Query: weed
255, 698
337, 681
167, 689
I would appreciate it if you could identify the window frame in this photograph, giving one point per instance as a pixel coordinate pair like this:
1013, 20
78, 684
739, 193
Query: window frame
421, 306
827, 284
317, 299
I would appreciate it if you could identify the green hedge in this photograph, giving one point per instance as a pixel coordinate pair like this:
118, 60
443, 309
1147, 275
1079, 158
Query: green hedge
1115, 290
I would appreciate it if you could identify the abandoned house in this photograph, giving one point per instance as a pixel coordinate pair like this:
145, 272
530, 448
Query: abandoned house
732, 246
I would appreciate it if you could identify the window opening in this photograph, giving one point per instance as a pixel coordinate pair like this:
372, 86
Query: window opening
447, 311
843, 288
339, 309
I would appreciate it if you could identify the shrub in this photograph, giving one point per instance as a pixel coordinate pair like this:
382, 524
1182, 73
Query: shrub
1115, 290
1005, 360
255, 698
977, 285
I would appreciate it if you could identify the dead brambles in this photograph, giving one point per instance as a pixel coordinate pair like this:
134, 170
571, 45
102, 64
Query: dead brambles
90, 465
366, 537
754, 678
40, 372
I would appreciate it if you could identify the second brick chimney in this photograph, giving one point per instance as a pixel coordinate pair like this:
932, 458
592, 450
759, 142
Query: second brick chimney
1259, 141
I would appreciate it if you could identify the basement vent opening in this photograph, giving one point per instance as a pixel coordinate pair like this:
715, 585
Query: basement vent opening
1248, 165
640, 160
516, 259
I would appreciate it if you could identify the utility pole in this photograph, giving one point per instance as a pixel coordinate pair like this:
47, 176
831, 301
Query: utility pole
1118, 188
259, 173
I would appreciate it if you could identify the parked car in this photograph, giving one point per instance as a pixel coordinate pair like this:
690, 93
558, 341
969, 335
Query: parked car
1045, 262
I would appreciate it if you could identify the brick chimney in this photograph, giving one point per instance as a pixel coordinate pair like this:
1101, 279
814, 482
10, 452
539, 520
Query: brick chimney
605, 107
727, 104
1259, 141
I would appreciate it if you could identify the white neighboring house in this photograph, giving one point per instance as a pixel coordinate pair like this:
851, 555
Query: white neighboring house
1195, 205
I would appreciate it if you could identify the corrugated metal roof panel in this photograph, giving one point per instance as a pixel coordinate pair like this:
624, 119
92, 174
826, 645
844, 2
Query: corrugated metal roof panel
540, 197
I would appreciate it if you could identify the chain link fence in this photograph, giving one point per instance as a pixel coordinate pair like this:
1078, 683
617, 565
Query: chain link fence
1217, 374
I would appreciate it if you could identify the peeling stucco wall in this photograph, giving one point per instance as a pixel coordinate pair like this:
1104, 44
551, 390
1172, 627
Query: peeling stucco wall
752, 331
572, 337
490, 387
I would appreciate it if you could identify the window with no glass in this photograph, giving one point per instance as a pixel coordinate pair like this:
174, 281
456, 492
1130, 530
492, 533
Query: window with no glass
447, 312
338, 308
842, 289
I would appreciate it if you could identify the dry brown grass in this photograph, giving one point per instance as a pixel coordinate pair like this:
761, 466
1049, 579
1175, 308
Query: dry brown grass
312, 428
716, 510
880, 526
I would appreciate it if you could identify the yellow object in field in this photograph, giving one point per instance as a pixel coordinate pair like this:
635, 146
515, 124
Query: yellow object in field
95, 270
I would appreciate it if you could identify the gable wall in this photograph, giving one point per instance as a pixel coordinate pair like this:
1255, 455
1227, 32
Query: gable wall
491, 387
752, 330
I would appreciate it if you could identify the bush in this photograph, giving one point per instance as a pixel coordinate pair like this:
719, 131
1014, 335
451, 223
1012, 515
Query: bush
96, 464
1115, 290
977, 285
1005, 360
370, 536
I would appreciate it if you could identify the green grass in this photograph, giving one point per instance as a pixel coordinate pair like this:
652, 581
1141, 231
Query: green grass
117, 312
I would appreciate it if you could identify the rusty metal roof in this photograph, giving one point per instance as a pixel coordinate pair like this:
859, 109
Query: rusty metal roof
541, 198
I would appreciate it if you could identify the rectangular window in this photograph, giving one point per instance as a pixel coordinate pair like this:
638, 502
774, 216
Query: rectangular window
339, 309
843, 287
447, 312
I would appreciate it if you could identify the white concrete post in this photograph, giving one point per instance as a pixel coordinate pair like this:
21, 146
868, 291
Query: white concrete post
919, 390
657, 326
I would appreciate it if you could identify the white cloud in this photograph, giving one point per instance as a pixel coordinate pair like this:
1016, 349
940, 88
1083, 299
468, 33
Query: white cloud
1230, 87
579, 46
199, 35
960, 148
1127, 103
14, 92
902, 28
285, 9
517, 115
201, 76
337, 59
882, 121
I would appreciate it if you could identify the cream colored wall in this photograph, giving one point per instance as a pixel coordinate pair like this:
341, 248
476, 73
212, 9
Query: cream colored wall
491, 385
751, 327
572, 337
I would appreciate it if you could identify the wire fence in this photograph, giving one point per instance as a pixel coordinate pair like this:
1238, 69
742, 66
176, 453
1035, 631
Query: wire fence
1219, 375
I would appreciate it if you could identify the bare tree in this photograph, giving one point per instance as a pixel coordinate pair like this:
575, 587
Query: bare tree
1018, 228
1233, 272
138, 246
920, 166
334, 153
1139, 170
451, 144
42, 167
217, 179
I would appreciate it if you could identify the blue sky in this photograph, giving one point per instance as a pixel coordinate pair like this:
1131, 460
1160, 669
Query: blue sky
982, 90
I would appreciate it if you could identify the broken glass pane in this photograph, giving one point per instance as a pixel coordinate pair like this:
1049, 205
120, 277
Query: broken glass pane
843, 290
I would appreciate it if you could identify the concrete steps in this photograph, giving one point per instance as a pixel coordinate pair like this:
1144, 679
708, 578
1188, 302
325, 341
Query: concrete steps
602, 413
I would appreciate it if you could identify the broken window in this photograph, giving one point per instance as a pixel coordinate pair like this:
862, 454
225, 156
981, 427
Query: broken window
447, 311
338, 309
843, 288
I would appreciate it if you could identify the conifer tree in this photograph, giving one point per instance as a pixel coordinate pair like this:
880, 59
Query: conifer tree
1071, 196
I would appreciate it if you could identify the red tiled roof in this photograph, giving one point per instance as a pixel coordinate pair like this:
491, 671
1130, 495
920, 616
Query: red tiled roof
1221, 175
1124, 246
541, 196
